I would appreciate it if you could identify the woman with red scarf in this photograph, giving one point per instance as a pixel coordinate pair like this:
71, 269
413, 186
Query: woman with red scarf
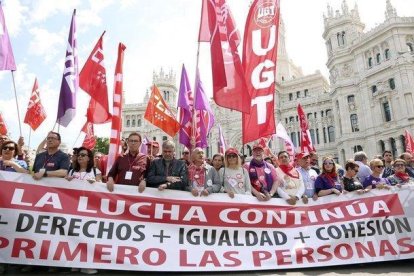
328, 181
292, 187
400, 176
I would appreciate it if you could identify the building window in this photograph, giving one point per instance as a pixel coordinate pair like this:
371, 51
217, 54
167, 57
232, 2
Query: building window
306, 92
370, 62
293, 138
354, 123
299, 140
324, 135
391, 82
286, 120
164, 138
133, 123
373, 89
331, 134
387, 111
297, 94
314, 115
410, 47
283, 78
290, 96
297, 118
291, 119
357, 148
378, 58
328, 112
317, 136
309, 116
387, 54
351, 99
341, 38
139, 123
312, 134
321, 113
128, 123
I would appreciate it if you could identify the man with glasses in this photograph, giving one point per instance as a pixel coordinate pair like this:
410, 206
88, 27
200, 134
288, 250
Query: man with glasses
408, 158
130, 168
309, 176
361, 159
186, 156
52, 162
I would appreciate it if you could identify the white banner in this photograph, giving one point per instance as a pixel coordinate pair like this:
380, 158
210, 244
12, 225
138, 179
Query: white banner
76, 224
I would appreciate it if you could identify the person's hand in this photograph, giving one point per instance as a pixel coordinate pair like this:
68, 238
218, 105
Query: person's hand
205, 192
335, 191
231, 194
91, 180
9, 163
292, 200
38, 175
69, 177
315, 196
162, 187
305, 199
194, 192
142, 185
261, 197
173, 179
110, 184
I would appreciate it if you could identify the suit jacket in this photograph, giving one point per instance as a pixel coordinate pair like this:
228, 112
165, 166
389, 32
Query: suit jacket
157, 174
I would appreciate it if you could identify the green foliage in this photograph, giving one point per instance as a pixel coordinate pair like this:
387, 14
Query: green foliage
102, 144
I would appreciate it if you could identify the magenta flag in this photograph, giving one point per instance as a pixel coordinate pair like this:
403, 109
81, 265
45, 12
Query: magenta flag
186, 107
205, 116
70, 79
143, 148
6, 53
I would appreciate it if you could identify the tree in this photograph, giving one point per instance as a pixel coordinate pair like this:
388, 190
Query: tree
102, 144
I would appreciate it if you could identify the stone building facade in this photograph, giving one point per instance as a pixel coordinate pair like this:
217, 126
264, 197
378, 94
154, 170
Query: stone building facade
366, 105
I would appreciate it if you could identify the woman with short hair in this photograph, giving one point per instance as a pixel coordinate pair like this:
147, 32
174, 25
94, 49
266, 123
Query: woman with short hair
8, 160
375, 181
400, 175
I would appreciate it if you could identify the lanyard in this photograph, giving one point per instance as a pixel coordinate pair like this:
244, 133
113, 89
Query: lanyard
48, 159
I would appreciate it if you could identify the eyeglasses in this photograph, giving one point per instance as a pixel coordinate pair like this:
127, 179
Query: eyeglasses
134, 141
52, 138
8, 148
356, 171
328, 163
82, 154
231, 156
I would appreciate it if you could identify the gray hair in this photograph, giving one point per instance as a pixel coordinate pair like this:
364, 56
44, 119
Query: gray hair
168, 144
360, 156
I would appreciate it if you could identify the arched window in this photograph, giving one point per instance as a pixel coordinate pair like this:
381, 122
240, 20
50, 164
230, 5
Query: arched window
402, 140
328, 112
133, 123
324, 135
317, 136
331, 134
391, 82
309, 116
297, 94
378, 58
128, 123
286, 120
357, 148
343, 38
351, 99
354, 123
139, 123
387, 54
291, 119
293, 138
370, 62
387, 111
373, 89
290, 96
306, 92
410, 47
393, 147
312, 134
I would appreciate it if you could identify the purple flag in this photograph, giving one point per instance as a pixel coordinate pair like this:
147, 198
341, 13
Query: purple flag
70, 79
205, 117
143, 148
6, 53
185, 105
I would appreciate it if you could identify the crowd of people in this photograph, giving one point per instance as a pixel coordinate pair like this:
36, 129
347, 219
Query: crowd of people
263, 177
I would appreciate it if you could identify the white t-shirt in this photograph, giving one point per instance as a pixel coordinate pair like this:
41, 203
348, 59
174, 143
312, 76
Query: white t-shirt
85, 175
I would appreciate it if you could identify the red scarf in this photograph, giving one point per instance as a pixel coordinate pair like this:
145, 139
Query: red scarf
331, 177
287, 170
403, 176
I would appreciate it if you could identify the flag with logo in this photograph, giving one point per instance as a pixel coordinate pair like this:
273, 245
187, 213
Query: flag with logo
70, 80
92, 80
205, 116
3, 127
35, 114
186, 108
217, 26
90, 141
259, 63
306, 145
116, 125
409, 142
159, 114
6, 52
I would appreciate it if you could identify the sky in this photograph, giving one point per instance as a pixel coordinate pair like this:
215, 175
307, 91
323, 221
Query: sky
157, 33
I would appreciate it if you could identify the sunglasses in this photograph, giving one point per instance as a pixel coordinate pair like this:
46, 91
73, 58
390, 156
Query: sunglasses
8, 148
356, 171
379, 166
82, 155
231, 156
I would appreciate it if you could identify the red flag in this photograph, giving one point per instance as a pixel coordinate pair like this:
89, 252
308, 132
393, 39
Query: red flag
116, 126
264, 142
3, 127
229, 87
92, 80
259, 62
305, 138
35, 114
409, 142
159, 114
89, 142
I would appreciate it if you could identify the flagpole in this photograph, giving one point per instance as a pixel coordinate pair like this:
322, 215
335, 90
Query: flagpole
74, 143
17, 104
30, 135
194, 128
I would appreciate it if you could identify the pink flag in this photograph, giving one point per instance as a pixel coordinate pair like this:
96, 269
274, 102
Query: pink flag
6, 53
89, 142
305, 138
259, 63
409, 142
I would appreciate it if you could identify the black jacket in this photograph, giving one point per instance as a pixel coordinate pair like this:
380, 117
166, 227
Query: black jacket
157, 174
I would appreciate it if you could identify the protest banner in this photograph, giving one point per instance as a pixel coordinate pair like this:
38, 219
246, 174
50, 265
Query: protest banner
76, 224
